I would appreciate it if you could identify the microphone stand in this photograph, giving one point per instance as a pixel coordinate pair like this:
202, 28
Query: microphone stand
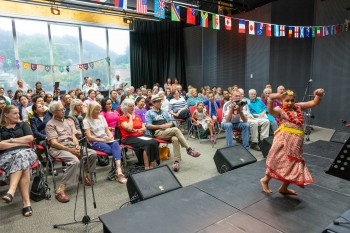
307, 115
83, 155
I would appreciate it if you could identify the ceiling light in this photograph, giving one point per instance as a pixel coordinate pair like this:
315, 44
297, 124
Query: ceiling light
55, 10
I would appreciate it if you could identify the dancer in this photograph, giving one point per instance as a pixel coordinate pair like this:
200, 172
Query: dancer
285, 161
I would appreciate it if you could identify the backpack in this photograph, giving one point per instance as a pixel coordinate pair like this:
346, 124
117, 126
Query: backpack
203, 134
40, 189
103, 160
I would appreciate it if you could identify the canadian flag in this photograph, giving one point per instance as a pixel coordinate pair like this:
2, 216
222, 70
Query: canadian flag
228, 23
251, 27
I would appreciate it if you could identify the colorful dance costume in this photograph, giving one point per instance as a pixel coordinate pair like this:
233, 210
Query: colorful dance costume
285, 161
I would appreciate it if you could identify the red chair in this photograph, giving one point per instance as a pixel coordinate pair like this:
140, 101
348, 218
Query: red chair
194, 125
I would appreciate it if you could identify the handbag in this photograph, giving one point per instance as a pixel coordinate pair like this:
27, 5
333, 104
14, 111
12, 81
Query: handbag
40, 189
164, 153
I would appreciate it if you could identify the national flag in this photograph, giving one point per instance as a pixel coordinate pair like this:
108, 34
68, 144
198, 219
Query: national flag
335, 29
121, 4
296, 32
313, 31
228, 23
325, 31
203, 21
307, 32
318, 32
276, 29
216, 21
141, 6
191, 16
290, 32
259, 28
268, 29
332, 30
159, 9
282, 30
251, 27
175, 12
338, 29
301, 32
241, 26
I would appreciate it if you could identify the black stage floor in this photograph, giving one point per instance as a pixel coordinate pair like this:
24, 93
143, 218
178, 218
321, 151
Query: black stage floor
234, 202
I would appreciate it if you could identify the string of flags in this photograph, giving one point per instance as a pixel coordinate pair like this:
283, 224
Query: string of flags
54, 68
254, 27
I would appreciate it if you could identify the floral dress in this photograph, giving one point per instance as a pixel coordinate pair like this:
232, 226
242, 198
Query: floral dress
202, 118
285, 161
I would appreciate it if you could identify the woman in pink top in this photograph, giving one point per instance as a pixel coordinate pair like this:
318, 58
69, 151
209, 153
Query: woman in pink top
111, 116
91, 98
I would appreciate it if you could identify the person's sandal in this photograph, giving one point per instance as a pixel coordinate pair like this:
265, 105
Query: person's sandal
7, 198
121, 179
27, 211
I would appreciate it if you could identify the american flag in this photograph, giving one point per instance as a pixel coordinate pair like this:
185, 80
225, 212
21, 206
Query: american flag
141, 6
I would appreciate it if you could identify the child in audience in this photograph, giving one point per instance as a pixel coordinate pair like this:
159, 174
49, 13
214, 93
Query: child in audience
285, 161
201, 117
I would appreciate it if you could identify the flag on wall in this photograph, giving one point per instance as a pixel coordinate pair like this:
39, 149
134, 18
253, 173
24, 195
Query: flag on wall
141, 6
259, 28
307, 32
216, 22
282, 30
121, 4
296, 32
251, 27
268, 29
301, 32
159, 9
175, 12
290, 32
203, 20
313, 31
241, 26
318, 31
191, 16
228, 23
276, 31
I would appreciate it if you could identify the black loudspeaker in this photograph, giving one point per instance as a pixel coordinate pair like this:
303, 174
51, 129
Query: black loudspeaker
151, 183
340, 136
265, 145
341, 165
233, 157
340, 225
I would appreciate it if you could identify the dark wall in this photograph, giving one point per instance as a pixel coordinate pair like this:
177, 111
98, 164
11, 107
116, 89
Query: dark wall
331, 65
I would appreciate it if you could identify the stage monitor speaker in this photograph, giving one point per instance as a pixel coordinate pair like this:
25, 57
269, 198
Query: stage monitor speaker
340, 136
341, 165
265, 145
340, 225
151, 183
233, 157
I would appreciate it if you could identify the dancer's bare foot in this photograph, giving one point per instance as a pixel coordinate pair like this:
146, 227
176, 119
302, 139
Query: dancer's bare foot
288, 191
265, 185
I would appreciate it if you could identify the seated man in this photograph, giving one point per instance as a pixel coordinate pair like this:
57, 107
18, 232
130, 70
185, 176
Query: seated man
254, 124
64, 145
259, 110
160, 126
232, 114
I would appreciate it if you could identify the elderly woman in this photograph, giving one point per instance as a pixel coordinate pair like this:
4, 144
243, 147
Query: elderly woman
140, 108
47, 99
101, 138
178, 108
111, 116
90, 85
193, 99
265, 95
16, 157
76, 111
131, 129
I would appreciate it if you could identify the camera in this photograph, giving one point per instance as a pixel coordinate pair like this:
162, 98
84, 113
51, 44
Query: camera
241, 103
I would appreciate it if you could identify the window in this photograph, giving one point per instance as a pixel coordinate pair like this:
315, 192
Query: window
66, 52
8, 70
33, 47
119, 52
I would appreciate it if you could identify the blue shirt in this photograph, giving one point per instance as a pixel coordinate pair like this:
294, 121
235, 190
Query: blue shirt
257, 106
211, 108
152, 117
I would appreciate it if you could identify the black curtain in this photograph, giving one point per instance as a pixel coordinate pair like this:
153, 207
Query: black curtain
156, 53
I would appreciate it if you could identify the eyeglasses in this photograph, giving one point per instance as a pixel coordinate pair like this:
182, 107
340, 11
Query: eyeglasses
108, 103
61, 110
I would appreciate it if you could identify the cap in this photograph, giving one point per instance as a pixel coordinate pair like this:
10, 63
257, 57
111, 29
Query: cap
155, 98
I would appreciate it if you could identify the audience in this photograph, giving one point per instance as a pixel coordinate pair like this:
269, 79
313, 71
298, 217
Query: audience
111, 116
140, 108
178, 108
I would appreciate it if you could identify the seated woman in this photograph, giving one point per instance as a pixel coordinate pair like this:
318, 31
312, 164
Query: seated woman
193, 99
165, 101
101, 138
91, 94
38, 123
140, 108
178, 108
111, 116
16, 157
212, 104
23, 108
131, 128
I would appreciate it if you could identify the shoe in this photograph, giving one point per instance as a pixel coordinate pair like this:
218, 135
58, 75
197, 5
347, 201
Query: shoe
53, 173
64, 168
176, 166
62, 196
27, 211
192, 152
212, 138
121, 179
7, 198
192, 136
255, 146
87, 180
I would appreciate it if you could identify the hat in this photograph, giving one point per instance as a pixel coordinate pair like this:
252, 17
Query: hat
155, 98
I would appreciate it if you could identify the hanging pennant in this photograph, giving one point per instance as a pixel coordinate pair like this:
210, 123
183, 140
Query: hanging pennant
86, 66
67, 68
80, 67
41, 68
216, 21
25, 65
54, 69
18, 64
33, 67
282, 30
241, 26
251, 27
47, 68
259, 29
91, 64
61, 69
268, 29
2, 59
108, 60
228, 23
9, 61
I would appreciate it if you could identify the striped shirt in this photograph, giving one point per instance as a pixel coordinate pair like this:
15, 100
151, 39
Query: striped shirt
176, 105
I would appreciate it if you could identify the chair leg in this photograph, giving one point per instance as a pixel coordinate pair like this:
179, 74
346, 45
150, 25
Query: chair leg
188, 134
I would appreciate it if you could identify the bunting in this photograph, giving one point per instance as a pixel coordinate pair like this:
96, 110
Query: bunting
228, 23
175, 12
159, 9
141, 6
204, 19
121, 4
268, 29
216, 22
259, 29
251, 28
191, 16
241, 26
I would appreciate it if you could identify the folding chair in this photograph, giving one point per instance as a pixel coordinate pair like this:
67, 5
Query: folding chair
194, 125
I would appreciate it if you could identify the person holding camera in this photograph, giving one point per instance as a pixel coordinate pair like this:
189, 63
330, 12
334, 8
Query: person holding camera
232, 115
